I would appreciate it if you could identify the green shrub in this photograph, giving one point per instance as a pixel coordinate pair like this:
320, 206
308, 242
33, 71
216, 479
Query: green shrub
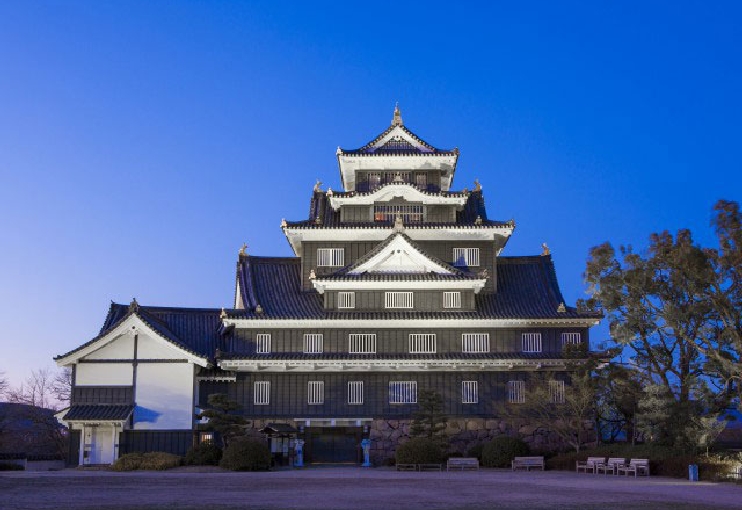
419, 450
150, 461
246, 455
476, 451
500, 451
204, 454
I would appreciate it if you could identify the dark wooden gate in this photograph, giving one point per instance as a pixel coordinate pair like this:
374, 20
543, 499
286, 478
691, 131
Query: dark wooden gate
334, 445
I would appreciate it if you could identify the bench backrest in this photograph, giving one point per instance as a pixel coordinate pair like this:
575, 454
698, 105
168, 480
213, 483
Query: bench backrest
529, 460
616, 460
639, 462
463, 460
595, 460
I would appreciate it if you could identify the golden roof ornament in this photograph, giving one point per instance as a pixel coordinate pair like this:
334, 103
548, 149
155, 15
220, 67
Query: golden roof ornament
478, 221
329, 192
477, 185
223, 314
258, 309
312, 274
243, 250
546, 251
317, 186
397, 119
283, 223
561, 308
134, 306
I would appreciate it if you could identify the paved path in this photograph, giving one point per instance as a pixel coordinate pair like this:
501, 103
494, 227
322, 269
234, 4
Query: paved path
357, 488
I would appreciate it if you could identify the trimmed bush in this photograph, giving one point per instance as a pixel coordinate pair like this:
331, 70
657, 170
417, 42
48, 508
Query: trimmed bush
476, 451
419, 450
246, 455
500, 451
150, 461
204, 454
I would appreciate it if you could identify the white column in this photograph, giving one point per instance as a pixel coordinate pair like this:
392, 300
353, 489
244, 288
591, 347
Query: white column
81, 458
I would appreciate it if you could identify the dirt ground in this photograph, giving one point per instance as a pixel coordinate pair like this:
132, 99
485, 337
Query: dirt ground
356, 488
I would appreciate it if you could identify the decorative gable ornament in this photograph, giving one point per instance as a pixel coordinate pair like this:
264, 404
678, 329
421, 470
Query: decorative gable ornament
399, 256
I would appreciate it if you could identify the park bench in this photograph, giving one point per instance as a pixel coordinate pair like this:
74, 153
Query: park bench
462, 463
591, 464
430, 467
406, 467
612, 465
528, 463
635, 466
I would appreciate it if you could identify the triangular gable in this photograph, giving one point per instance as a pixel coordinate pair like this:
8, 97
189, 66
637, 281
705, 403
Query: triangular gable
398, 255
130, 324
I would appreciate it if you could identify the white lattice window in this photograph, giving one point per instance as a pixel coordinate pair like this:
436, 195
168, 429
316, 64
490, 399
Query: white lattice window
346, 299
316, 393
556, 392
263, 343
313, 343
571, 338
403, 392
261, 393
475, 342
355, 393
398, 299
531, 342
330, 257
362, 343
516, 392
466, 257
452, 300
410, 213
422, 343
469, 392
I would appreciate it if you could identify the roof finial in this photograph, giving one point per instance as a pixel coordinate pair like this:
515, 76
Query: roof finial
546, 250
223, 314
398, 224
561, 308
243, 250
397, 119
317, 186
134, 306
477, 186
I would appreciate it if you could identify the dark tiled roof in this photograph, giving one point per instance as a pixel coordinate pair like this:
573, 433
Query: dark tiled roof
398, 146
98, 413
339, 356
196, 330
319, 207
527, 289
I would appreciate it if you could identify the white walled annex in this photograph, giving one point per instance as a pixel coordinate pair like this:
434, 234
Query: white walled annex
104, 374
121, 347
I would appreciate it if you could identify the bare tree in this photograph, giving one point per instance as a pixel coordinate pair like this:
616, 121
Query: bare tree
62, 386
37, 390
3, 384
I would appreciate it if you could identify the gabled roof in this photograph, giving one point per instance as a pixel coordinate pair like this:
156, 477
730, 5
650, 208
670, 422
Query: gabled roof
98, 412
193, 330
397, 140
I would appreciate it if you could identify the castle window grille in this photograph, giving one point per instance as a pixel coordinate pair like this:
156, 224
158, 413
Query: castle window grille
410, 213
466, 257
313, 343
398, 300
421, 181
316, 393
362, 343
261, 393
571, 338
403, 392
516, 392
263, 343
556, 392
422, 343
330, 257
469, 392
475, 342
346, 299
531, 342
355, 393
452, 300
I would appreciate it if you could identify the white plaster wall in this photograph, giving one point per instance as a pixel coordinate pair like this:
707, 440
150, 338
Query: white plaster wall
151, 348
103, 374
164, 396
120, 348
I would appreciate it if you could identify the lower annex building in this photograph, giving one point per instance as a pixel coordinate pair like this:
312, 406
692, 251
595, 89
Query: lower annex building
397, 285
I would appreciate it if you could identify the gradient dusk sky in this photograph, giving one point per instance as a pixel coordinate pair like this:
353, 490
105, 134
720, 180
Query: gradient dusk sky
141, 143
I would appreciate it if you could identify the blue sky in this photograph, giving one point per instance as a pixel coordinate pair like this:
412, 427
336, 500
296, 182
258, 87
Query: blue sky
141, 143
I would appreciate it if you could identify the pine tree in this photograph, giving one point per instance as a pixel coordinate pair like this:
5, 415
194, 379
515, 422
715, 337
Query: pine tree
429, 420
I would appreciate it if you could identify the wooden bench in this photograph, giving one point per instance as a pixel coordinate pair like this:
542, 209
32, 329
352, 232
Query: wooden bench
635, 466
528, 463
590, 464
430, 467
462, 463
612, 465
406, 467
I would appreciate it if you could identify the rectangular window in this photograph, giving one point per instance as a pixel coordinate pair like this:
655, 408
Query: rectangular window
422, 343
469, 392
316, 393
516, 392
531, 342
398, 299
261, 393
362, 343
466, 257
355, 393
313, 343
475, 342
571, 338
263, 344
410, 213
452, 300
206, 438
332, 257
346, 299
403, 392
374, 180
421, 181
556, 392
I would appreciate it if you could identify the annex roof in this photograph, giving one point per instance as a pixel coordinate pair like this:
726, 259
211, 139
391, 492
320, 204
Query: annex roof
98, 412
